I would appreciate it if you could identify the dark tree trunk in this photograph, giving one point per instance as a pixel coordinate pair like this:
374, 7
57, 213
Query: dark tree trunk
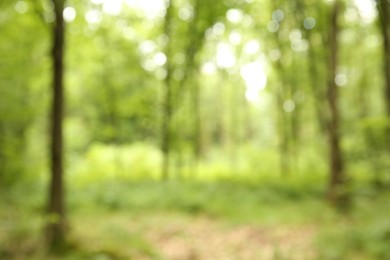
56, 225
167, 103
383, 7
337, 177
384, 16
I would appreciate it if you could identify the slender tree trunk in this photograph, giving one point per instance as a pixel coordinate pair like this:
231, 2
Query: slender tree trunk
284, 146
193, 49
56, 226
283, 125
316, 86
282, 93
337, 178
167, 106
384, 19
197, 145
191, 69
219, 135
249, 126
233, 124
384, 16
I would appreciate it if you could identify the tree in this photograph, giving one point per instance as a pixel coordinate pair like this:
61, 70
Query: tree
167, 106
384, 18
337, 175
56, 225
286, 120
19, 92
315, 54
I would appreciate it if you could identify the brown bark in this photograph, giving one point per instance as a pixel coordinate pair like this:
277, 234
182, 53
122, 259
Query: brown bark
384, 16
56, 225
337, 177
167, 106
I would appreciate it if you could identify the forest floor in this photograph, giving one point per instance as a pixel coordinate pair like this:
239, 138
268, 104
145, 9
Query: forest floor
182, 237
170, 236
187, 221
205, 239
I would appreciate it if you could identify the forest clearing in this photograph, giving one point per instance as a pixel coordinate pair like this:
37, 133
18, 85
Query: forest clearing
194, 129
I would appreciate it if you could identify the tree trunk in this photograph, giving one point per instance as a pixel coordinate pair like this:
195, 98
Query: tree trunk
167, 106
316, 87
56, 225
197, 145
384, 16
283, 92
337, 177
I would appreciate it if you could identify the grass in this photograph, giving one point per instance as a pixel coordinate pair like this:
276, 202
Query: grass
228, 200
364, 233
185, 219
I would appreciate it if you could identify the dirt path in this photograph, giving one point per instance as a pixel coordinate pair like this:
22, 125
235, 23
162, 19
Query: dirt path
202, 238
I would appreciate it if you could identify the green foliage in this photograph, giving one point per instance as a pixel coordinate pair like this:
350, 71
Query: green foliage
375, 132
18, 90
109, 162
364, 233
246, 198
115, 219
260, 162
